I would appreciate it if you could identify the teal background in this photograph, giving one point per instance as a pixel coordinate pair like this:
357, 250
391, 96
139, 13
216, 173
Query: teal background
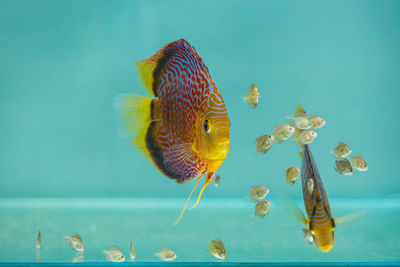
63, 62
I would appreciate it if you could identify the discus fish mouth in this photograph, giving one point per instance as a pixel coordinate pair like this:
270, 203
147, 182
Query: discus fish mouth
214, 162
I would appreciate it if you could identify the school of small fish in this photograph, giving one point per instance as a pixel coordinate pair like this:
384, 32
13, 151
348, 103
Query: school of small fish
345, 166
257, 194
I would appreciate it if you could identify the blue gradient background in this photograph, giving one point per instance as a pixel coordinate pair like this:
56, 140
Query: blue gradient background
63, 62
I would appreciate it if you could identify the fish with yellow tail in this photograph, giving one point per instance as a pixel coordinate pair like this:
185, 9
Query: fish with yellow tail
319, 222
184, 127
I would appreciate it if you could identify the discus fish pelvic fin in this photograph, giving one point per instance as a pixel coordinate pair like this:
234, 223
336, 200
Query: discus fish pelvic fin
208, 181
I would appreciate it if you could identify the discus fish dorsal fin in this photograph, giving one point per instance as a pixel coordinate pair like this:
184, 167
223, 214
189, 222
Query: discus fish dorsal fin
296, 213
350, 217
299, 110
135, 112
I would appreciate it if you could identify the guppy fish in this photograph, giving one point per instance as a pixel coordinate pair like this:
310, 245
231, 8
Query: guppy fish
184, 128
320, 221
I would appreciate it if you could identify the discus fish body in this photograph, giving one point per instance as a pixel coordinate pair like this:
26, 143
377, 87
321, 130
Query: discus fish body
342, 150
38, 242
358, 163
262, 208
166, 254
114, 254
253, 96
316, 122
217, 249
258, 193
75, 242
343, 166
264, 143
132, 253
305, 137
283, 133
184, 127
292, 174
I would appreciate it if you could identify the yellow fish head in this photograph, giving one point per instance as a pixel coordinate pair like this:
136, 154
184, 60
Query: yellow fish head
324, 240
212, 135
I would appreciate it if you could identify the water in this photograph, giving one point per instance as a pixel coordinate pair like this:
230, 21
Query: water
65, 169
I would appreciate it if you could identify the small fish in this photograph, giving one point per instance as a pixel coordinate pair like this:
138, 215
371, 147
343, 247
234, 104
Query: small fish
217, 249
132, 253
305, 137
75, 241
308, 236
217, 181
358, 163
38, 242
292, 174
316, 122
262, 208
166, 255
253, 96
283, 133
114, 254
310, 186
79, 257
183, 129
300, 122
264, 143
342, 150
343, 166
258, 192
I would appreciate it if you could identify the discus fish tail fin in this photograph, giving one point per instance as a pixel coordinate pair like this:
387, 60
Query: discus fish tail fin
135, 112
209, 180
187, 201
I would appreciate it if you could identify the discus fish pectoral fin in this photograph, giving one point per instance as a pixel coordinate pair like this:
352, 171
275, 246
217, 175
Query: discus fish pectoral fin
209, 180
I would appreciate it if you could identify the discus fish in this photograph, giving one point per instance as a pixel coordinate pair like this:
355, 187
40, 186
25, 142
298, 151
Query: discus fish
166, 255
262, 208
38, 242
283, 133
253, 96
75, 242
217, 249
292, 174
114, 254
217, 181
184, 128
264, 143
343, 166
319, 221
258, 192
342, 150
358, 163
132, 253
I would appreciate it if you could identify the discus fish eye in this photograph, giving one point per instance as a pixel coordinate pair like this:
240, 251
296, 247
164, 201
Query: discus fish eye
206, 126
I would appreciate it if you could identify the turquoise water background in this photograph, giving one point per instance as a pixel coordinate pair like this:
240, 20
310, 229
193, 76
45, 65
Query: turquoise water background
63, 62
